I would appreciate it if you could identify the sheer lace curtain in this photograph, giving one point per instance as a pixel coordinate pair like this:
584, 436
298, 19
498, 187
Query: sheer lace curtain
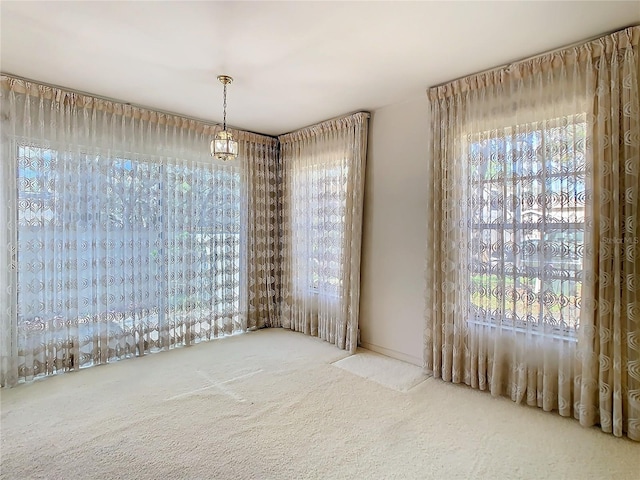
534, 233
263, 178
123, 236
323, 186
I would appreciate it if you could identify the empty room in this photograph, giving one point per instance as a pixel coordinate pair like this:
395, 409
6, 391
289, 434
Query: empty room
320, 240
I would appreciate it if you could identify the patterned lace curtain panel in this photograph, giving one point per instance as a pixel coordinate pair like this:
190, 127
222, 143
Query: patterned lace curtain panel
122, 236
323, 170
534, 233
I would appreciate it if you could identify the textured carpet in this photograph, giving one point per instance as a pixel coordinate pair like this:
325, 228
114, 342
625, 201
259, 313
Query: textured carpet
269, 405
386, 371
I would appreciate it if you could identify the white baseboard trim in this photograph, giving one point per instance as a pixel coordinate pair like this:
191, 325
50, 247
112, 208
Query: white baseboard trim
393, 354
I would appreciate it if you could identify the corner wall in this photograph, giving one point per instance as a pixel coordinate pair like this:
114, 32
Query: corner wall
394, 231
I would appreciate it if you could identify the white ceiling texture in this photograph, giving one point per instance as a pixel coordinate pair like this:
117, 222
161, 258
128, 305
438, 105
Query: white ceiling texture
294, 63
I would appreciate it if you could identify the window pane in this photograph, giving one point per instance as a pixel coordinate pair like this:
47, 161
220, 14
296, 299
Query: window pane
118, 256
319, 200
527, 223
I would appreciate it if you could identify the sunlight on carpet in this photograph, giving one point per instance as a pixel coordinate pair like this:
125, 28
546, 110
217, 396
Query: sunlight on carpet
391, 373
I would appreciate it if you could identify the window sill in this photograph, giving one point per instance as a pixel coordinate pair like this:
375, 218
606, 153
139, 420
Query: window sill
557, 334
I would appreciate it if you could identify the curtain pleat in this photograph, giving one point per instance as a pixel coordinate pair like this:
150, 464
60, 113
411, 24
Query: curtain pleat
533, 287
322, 199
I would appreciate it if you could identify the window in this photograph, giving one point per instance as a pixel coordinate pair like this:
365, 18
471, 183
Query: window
120, 254
527, 199
319, 199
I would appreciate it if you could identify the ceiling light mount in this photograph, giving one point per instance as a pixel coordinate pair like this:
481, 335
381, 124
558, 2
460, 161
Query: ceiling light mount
223, 146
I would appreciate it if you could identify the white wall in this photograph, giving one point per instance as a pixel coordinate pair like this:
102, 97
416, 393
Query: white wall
392, 284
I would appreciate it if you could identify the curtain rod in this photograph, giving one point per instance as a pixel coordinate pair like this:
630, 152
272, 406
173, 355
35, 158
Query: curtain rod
537, 55
135, 105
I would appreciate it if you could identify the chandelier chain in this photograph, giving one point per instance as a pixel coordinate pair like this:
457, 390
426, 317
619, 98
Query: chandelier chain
224, 109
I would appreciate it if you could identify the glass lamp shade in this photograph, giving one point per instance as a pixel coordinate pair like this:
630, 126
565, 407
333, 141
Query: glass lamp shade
223, 146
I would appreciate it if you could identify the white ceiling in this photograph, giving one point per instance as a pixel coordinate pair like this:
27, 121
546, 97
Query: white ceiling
294, 63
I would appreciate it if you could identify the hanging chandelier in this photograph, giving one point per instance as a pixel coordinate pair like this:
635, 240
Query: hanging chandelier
223, 146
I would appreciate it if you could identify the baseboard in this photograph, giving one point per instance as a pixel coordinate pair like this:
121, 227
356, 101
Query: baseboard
393, 354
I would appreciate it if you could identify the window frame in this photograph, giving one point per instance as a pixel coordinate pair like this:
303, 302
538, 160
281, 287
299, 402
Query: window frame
505, 133
301, 174
81, 325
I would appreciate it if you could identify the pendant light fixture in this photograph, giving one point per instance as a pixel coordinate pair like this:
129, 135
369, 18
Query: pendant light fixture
223, 146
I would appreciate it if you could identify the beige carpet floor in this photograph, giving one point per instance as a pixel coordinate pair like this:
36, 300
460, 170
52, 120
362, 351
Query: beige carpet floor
270, 405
